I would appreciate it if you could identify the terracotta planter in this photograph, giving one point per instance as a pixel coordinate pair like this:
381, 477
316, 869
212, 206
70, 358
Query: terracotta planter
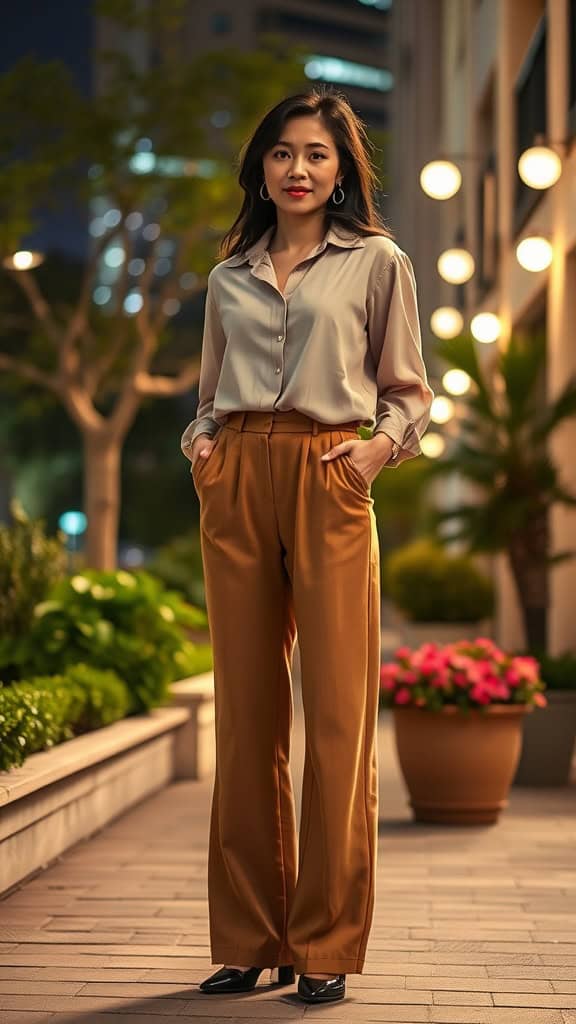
458, 768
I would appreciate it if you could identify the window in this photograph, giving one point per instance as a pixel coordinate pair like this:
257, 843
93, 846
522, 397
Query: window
487, 226
530, 96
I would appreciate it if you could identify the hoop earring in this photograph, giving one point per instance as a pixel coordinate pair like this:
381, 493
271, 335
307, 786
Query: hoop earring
263, 185
338, 201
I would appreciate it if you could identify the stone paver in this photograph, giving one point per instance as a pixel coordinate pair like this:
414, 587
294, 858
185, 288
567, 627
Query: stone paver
472, 925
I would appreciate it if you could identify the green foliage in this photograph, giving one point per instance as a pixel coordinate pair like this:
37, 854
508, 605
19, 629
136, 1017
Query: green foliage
103, 697
30, 563
558, 670
429, 585
502, 447
179, 565
38, 713
194, 659
126, 622
33, 716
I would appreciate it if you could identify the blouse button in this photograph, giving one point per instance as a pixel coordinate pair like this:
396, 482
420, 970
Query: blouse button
277, 370
280, 337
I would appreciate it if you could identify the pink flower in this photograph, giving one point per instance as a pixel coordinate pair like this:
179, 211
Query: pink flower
402, 652
527, 667
480, 694
479, 669
403, 696
512, 676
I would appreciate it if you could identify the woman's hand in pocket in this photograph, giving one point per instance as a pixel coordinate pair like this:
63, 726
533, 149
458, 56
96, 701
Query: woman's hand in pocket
202, 449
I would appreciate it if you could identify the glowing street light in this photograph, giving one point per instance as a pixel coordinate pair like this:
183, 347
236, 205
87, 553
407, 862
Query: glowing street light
440, 179
539, 167
24, 259
456, 382
432, 445
485, 327
456, 265
442, 409
534, 253
446, 322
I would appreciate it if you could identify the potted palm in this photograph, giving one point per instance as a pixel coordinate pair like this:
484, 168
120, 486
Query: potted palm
502, 451
458, 712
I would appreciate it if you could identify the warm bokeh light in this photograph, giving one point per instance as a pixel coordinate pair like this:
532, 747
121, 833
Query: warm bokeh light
534, 253
432, 445
442, 409
24, 259
486, 327
456, 265
539, 167
446, 322
440, 179
456, 382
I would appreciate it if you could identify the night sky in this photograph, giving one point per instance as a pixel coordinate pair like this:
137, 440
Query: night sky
60, 30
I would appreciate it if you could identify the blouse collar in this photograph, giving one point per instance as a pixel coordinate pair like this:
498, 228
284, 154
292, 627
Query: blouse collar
342, 237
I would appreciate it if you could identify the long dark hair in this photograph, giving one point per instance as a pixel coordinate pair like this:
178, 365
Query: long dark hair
357, 212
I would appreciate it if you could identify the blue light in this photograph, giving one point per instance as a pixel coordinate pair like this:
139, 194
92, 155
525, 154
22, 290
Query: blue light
73, 523
334, 69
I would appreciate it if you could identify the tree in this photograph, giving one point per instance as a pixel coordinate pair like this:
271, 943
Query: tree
144, 146
502, 450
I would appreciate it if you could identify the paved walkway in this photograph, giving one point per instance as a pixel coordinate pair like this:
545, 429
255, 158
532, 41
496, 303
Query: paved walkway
472, 925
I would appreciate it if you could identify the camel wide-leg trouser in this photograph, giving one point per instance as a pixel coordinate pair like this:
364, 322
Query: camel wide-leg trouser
289, 545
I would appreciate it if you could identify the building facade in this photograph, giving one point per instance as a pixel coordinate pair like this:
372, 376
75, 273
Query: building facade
478, 81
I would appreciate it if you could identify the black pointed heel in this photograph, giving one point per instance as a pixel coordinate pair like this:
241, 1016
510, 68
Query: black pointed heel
231, 979
321, 990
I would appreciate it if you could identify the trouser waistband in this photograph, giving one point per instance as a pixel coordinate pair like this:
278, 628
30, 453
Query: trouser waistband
288, 421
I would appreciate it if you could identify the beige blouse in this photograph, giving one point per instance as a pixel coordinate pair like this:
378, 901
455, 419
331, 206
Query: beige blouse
342, 344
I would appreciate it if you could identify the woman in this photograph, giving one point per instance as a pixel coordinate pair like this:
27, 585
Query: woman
311, 329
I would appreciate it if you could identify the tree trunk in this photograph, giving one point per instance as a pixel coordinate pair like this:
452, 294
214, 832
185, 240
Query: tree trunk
527, 555
102, 458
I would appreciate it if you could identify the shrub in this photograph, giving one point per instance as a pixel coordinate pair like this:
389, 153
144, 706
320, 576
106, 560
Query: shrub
558, 670
126, 622
39, 713
468, 674
103, 697
193, 659
33, 716
429, 585
30, 563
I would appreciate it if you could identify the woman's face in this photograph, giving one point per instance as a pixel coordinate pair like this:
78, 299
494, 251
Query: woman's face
305, 157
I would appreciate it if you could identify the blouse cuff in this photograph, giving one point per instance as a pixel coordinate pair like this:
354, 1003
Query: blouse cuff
204, 425
404, 433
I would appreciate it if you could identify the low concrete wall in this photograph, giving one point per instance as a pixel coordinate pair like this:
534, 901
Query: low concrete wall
60, 796
195, 743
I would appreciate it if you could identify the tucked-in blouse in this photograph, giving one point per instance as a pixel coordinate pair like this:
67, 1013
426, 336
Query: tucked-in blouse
343, 343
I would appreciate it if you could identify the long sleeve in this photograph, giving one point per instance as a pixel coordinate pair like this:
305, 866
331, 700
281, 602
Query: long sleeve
213, 345
404, 394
